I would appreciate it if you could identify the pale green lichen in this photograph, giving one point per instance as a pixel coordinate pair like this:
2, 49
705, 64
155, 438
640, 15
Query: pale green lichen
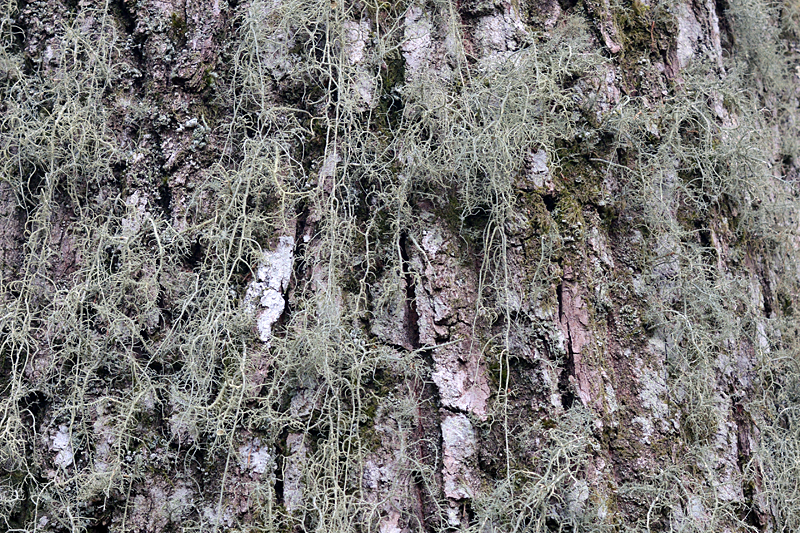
177, 341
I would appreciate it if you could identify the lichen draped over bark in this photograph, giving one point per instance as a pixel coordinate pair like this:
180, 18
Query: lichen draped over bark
287, 265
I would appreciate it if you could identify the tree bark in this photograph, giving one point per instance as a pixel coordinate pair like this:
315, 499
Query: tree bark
399, 266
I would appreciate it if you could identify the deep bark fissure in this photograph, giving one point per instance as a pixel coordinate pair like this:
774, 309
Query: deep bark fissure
411, 317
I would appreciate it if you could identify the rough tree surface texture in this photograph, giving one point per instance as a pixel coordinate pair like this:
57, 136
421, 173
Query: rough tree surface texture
408, 266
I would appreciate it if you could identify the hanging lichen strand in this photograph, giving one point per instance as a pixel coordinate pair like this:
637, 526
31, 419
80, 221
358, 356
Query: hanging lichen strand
444, 266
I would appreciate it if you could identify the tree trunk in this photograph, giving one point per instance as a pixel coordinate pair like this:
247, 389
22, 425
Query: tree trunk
476, 265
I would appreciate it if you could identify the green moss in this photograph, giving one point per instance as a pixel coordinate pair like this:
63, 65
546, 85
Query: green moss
644, 29
568, 215
209, 77
630, 324
370, 438
498, 371
537, 213
388, 113
647, 34
178, 29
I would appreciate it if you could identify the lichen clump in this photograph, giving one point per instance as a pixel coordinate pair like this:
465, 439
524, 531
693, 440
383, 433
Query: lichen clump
384, 278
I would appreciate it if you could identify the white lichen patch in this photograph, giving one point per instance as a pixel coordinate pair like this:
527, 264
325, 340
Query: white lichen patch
459, 448
417, 41
219, 517
432, 240
255, 458
104, 431
182, 427
131, 223
356, 37
148, 510
610, 395
646, 427
653, 390
180, 503
384, 482
714, 32
391, 523
500, 32
277, 44
577, 497
537, 172
696, 510
461, 379
597, 240
264, 297
61, 444
689, 33
293, 485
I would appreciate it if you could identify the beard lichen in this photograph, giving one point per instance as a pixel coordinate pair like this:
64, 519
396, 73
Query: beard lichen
128, 348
